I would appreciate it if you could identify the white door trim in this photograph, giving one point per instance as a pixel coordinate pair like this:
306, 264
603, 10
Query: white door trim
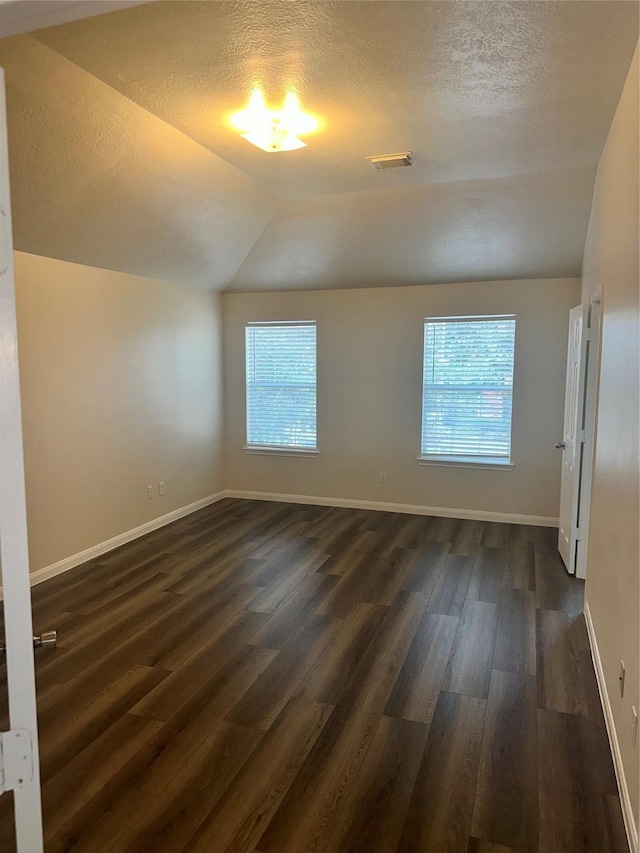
14, 557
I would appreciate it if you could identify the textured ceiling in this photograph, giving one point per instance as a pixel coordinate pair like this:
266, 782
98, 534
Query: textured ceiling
97, 180
505, 105
462, 231
22, 16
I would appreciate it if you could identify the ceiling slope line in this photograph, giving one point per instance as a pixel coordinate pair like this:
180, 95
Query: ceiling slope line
149, 112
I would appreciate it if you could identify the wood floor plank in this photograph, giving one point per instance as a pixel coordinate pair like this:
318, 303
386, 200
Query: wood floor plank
264, 701
286, 588
332, 521
451, 587
515, 648
104, 761
418, 685
203, 573
329, 677
80, 589
297, 610
566, 680
278, 566
122, 619
316, 800
113, 815
575, 779
282, 538
161, 570
441, 807
138, 550
397, 533
616, 832
192, 726
477, 845
185, 803
422, 536
425, 567
237, 821
555, 588
487, 577
69, 728
206, 619
347, 548
506, 803
520, 572
218, 697
88, 669
346, 635
174, 692
444, 529
374, 814
467, 537
411, 533
495, 535
469, 668
370, 579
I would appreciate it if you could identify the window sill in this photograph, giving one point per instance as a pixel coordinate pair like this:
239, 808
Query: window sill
466, 462
280, 451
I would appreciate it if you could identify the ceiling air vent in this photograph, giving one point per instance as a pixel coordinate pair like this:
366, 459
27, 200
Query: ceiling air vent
391, 161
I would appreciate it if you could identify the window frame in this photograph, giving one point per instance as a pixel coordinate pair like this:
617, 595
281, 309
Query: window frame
279, 449
477, 461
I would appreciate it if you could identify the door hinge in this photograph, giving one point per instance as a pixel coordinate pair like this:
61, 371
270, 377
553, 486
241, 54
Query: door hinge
16, 759
578, 534
582, 435
587, 334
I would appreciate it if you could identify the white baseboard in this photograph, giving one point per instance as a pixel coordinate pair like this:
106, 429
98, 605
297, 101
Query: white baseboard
410, 509
627, 811
61, 566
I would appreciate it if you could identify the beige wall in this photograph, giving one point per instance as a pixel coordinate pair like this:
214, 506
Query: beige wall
613, 569
121, 388
369, 395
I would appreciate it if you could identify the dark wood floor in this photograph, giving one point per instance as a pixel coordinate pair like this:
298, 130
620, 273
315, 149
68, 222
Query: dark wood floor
278, 678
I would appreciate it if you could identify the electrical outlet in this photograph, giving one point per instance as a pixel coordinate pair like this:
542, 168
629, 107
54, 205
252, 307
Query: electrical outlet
149, 492
634, 726
621, 677
161, 489
383, 476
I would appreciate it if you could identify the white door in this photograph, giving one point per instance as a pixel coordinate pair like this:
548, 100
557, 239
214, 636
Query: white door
590, 420
19, 764
573, 437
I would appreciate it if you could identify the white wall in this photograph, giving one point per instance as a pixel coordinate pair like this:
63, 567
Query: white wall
369, 395
613, 569
121, 380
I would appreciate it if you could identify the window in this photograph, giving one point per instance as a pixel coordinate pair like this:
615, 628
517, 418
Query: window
467, 389
281, 386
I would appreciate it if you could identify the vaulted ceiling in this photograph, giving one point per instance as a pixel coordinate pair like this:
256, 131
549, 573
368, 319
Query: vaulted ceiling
122, 156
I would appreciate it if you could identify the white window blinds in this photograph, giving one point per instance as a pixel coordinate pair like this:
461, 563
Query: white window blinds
281, 385
467, 387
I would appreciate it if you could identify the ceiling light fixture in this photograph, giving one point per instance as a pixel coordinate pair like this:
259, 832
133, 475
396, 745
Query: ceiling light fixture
274, 130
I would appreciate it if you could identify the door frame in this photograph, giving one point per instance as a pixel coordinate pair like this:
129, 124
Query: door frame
590, 425
19, 757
